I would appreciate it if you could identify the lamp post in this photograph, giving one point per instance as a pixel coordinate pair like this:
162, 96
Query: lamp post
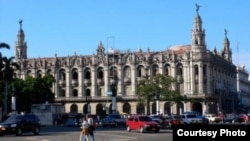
185, 103
5, 90
63, 102
113, 90
88, 99
13, 101
205, 106
157, 97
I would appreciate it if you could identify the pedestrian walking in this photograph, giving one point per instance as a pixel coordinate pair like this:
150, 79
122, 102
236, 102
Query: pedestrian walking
91, 128
85, 132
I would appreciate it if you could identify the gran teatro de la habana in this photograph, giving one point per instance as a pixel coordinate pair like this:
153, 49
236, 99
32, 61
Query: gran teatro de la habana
84, 83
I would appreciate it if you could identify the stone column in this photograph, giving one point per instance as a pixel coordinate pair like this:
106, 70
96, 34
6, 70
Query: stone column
68, 82
93, 81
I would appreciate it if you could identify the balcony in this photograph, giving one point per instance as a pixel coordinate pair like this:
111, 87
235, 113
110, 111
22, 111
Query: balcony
62, 83
74, 82
127, 80
100, 82
87, 82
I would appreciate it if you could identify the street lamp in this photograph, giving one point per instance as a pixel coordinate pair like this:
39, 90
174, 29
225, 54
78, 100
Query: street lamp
13, 101
185, 103
113, 90
88, 99
157, 97
63, 102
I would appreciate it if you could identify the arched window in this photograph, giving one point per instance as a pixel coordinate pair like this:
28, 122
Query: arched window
87, 74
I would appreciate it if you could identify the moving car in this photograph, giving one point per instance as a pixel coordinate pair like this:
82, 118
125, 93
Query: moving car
18, 124
142, 123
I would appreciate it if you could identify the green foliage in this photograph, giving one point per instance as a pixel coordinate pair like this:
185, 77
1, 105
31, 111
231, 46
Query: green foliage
33, 91
160, 84
2, 63
29, 91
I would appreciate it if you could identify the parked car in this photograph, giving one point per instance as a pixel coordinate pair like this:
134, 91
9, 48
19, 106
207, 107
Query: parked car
213, 118
18, 124
156, 118
191, 119
114, 120
245, 118
203, 118
232, 118
172, 120
142, 123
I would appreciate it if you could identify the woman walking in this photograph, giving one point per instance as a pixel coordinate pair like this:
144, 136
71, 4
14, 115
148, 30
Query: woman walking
84, 133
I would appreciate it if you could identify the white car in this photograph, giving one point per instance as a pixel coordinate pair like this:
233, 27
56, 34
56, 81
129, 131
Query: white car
213, 118
191, 119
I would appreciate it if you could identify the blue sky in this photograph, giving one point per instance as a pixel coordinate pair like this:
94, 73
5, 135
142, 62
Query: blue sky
66, 27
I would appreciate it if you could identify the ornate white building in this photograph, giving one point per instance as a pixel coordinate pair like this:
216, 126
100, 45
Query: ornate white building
207, 78
243, 88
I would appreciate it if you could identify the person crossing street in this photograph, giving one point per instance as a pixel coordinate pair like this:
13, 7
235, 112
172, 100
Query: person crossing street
91, 128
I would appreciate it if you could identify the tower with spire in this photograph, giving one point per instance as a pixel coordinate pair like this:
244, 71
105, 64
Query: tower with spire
21, 45
198, 34
226, 51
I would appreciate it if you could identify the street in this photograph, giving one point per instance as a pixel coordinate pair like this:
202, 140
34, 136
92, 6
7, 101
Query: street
62, 133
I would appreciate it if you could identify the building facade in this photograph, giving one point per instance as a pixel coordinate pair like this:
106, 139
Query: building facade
243, 88
207, 78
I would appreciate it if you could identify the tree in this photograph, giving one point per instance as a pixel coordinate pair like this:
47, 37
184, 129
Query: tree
168, 88
162, 85
8, 73
33, 91
3, 83
2, 45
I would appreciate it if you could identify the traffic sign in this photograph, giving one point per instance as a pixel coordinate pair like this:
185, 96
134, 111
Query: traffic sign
108, 93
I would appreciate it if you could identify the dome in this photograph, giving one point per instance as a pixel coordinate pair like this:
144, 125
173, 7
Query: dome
180, 48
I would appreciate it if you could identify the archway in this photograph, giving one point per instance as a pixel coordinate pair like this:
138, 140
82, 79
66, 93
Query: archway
73, 109
180, 108
126, 108
99, 109
140, 109
197, 107
153, 108
167, 108
86, 107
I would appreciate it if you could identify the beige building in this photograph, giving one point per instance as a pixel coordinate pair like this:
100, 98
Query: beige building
207, 78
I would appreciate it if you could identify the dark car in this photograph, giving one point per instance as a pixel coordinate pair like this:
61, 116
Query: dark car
114, 120
18, 124
232, 118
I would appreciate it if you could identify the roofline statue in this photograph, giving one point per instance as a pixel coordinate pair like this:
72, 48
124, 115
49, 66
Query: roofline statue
20, 23
225, 32
197, 7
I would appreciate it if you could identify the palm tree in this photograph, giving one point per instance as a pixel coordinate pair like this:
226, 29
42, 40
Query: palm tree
2, 45
7, 68
2, 68
8, 73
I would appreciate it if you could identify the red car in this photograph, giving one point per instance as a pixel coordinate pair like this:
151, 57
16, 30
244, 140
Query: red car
142, 124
